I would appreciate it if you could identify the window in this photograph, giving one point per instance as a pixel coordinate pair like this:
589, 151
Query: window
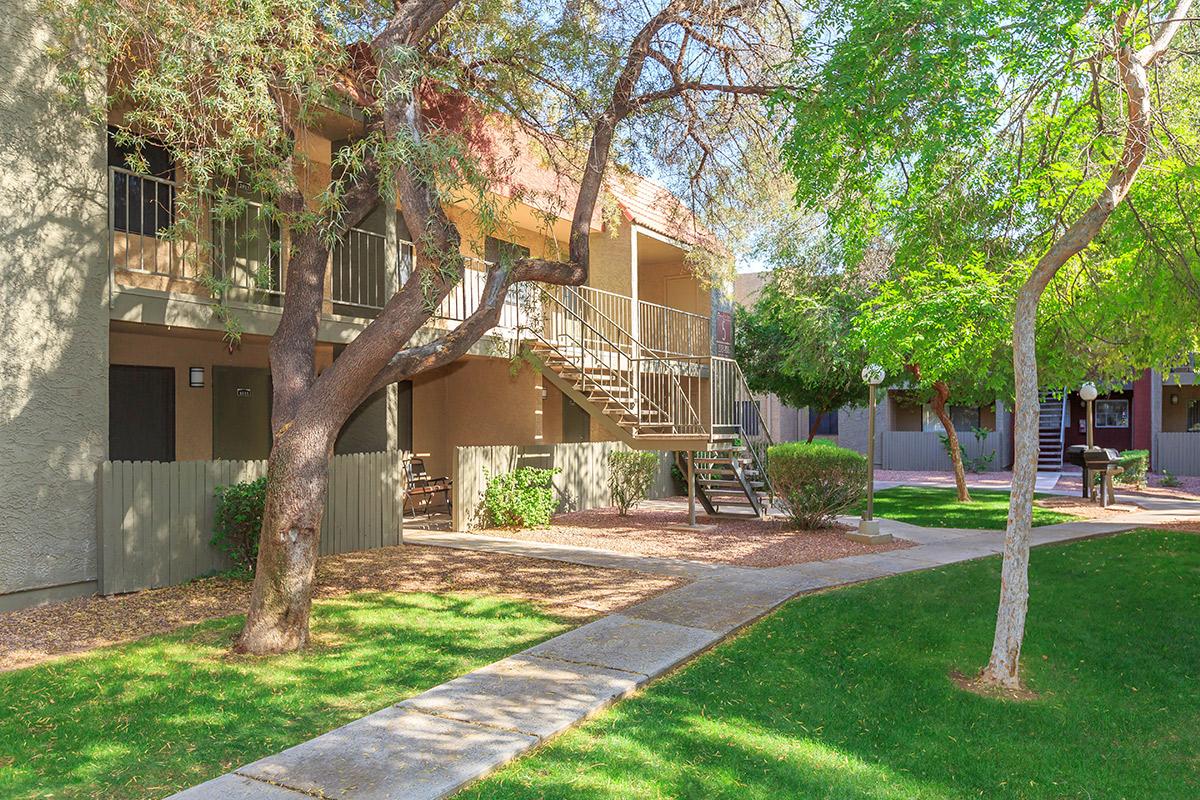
827, 425
1112, 413
965, 418
1193, 415
143, 204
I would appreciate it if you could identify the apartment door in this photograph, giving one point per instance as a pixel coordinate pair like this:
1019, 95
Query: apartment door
682, 293
576, 424
241, 412
141, 413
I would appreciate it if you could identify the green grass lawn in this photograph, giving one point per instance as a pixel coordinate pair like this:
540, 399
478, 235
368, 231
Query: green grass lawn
145, 719
847, 694
939, 508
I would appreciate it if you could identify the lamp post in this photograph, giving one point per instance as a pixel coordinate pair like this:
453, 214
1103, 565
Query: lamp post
1088, 394
868, 526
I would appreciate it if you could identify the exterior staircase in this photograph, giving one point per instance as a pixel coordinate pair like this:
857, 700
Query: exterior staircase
1052, 428
729, 479
666, 399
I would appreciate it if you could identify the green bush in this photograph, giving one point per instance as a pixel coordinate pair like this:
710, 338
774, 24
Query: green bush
1169, 480
630, 476
523, 498
1135, 463
816, 482
237, 522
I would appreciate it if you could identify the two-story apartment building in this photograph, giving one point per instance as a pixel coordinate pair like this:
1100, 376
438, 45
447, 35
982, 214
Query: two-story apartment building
111, 350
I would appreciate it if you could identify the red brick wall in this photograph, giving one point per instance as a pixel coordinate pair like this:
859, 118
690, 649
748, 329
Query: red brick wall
1139, 413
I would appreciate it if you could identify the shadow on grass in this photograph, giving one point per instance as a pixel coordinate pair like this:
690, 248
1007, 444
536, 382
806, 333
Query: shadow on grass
148, 718
846, 694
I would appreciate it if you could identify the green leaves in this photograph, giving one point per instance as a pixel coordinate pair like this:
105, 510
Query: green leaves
523, 498
797, 340
237, 521
630, 476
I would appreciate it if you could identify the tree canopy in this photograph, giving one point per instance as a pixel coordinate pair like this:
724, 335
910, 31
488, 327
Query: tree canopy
797, 340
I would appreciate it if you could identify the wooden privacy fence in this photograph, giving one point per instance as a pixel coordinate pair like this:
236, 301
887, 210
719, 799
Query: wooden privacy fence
582, 483
923, 450
155, 519
1178, 453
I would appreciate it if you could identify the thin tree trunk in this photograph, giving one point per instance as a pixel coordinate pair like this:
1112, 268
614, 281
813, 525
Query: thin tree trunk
938, 402
814, 422
1004, 666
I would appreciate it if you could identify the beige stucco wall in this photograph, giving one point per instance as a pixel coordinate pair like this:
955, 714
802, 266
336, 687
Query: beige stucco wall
54, 322
611, 254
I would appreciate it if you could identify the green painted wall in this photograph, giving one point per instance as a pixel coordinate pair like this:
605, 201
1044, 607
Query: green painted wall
53, 322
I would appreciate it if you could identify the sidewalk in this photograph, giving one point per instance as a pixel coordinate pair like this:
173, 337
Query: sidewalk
431, 745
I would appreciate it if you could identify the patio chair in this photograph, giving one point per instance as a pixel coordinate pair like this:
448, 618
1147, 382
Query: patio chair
420, 486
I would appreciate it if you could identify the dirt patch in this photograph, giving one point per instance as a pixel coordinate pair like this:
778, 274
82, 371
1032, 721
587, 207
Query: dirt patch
1078, 507
746, 543
976, 685
1190, 526
577, 592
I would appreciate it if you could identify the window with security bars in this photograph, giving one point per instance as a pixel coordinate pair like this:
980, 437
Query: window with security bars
141, 203
1193, 416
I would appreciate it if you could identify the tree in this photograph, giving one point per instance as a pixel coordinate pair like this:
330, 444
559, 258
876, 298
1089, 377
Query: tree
796, 341
1012, 131
947, 327
230, 89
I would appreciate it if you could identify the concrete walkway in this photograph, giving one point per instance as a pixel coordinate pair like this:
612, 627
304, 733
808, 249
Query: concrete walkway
431, 745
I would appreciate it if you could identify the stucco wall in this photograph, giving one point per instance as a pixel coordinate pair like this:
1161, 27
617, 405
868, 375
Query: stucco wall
54, 318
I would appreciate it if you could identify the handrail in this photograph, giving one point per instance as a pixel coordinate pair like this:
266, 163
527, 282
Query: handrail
731, 400
685, 420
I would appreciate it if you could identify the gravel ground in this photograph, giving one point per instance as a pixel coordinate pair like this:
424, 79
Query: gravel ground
983, 480
746, 543
576, 592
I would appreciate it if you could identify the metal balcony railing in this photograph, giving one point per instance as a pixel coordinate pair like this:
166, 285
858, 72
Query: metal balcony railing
246, 251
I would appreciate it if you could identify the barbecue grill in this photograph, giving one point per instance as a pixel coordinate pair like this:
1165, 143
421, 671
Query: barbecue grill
1096, 460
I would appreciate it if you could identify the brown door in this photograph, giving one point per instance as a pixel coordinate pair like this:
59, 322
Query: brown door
241, 412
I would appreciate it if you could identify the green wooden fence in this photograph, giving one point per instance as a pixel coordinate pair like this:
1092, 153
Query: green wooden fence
155, 519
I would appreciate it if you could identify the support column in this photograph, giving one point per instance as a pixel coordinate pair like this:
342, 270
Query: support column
691, 487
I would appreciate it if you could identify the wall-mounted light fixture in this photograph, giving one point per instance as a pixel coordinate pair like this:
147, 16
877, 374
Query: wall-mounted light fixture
196, 377
1174, 399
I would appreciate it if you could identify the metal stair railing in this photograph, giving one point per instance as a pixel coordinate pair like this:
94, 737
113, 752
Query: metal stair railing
735, 413
654, 385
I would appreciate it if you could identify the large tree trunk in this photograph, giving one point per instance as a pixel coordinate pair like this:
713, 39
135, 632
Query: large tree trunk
941, 394
1004, 666
280, 601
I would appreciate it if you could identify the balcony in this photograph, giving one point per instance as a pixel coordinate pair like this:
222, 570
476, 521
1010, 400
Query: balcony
242, 256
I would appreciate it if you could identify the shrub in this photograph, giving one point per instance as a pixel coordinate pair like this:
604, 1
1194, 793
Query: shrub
1169, 480
1135, 462
630, 475
237, 522
816, 482
523, 498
